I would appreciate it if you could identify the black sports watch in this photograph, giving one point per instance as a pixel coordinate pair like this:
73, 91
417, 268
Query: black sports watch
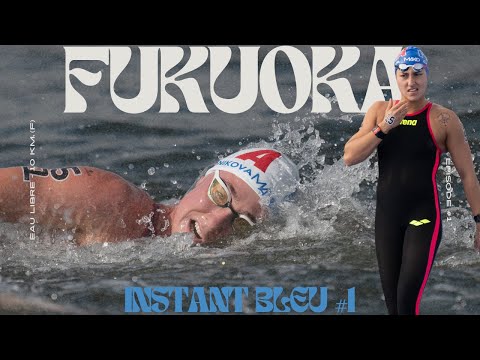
378, 132
390, 119
477, 218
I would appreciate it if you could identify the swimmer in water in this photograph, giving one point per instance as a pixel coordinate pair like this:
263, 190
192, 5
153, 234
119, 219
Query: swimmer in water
99, 206
410, 136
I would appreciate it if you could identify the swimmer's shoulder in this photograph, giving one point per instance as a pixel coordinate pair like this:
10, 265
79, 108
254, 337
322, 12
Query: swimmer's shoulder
11, 173
380, 104
438, 109
104, 179
94, 172
444, 117
375, 111
378, 107
71, 177
65, 175
108, 180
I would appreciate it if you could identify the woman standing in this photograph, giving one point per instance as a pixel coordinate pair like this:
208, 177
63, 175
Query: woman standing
410, 136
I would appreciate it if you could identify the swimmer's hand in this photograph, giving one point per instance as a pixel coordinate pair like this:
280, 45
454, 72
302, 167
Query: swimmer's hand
398, 111
476, 243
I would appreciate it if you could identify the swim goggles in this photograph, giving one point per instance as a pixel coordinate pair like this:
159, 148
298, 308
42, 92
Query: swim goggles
220, 195
416, 67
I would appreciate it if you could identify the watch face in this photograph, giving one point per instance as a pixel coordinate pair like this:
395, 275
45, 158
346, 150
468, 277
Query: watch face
390, 120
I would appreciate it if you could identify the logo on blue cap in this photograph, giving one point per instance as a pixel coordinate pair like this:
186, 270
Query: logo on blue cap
411, 55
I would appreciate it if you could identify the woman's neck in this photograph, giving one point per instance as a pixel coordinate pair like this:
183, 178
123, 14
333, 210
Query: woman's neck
414, 106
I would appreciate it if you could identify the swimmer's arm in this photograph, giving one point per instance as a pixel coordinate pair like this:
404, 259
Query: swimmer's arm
457, 145
13, 194
364, 142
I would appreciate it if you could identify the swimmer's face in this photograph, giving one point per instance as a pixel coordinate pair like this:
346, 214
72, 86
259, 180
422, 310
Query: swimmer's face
412, 85
197, 214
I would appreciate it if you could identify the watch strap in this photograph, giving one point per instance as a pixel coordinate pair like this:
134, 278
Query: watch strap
377, 131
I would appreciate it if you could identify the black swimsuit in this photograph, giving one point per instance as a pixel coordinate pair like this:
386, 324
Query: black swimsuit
408, 226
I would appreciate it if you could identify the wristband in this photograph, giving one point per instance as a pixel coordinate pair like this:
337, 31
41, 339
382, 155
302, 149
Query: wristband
378, 132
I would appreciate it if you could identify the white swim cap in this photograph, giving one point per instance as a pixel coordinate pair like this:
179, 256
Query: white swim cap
270, 174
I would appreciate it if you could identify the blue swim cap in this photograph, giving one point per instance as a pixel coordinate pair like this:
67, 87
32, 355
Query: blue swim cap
410, 56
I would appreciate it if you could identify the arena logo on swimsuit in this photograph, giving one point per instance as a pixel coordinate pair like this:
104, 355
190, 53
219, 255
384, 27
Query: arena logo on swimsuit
253, 78
408, 122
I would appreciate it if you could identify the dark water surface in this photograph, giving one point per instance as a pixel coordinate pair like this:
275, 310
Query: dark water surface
325, 238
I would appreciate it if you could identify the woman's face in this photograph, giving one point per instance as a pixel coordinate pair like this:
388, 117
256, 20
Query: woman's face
412, 85
196, 213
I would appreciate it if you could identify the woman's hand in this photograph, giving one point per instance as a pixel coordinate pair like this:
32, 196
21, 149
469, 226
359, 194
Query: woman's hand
397, 111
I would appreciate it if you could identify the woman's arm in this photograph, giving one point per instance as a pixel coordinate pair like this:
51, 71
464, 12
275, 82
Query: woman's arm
14, 195
364, 142
457, 145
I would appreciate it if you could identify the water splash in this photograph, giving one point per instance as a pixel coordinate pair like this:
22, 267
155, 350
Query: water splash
327, 227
